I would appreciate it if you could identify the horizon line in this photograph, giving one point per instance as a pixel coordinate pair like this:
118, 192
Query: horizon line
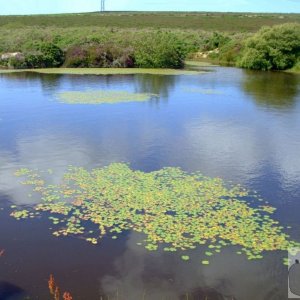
149, 11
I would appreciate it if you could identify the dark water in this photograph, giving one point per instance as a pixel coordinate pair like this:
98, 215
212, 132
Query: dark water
241, 126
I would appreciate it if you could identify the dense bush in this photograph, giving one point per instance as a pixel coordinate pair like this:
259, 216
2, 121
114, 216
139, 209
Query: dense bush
215, 41
17, 63
45, 55
76, 57
160, 50
272, 48
99, 56
52, 55
34, 60
152, 50
229, 53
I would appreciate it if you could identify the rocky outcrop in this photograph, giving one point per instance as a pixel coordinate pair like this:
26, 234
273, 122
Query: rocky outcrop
205, 54
8, 56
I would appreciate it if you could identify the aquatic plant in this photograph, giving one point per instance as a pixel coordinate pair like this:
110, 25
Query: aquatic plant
20, 214
67, 296
172, 208
57, 293
51, 284
102, 96
55, 290
2, 251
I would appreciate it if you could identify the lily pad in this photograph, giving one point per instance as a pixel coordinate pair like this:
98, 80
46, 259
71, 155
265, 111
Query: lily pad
185, 257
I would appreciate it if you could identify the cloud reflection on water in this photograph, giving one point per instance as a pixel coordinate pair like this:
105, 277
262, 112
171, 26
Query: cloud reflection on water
157, 275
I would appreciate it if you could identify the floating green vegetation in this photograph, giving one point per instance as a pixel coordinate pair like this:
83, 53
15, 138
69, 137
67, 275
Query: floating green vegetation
185, 257
104, 71
7, 71
20, 214
102, 96
114, 71
174, 209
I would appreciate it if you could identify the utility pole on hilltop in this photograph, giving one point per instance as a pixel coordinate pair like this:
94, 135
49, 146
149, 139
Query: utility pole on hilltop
102, 5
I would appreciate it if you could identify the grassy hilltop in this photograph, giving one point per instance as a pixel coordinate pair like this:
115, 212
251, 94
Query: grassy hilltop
131, 39
224, 22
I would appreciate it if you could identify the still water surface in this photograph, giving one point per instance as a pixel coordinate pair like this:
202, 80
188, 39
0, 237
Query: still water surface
239, 125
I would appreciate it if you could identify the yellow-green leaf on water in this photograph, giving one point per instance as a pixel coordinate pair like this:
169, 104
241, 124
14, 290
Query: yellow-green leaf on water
20, 214
185, 257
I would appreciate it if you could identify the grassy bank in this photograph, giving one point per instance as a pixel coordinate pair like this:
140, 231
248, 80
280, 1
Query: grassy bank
105, 71
126, 40
295, 69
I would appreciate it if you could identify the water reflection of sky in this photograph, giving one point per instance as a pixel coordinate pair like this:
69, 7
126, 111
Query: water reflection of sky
228, 275
245, 129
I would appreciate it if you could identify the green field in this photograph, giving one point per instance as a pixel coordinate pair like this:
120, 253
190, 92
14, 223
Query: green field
226, 22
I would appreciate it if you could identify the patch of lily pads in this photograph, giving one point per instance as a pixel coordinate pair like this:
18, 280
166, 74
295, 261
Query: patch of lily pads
102, 96
176, 210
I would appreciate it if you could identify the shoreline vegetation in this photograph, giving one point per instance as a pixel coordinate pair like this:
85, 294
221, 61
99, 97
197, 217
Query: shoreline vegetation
162, 41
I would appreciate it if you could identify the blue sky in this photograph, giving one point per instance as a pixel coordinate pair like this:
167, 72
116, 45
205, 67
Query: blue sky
62, 6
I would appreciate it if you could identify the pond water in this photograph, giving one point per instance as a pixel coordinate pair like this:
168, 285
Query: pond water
239, 125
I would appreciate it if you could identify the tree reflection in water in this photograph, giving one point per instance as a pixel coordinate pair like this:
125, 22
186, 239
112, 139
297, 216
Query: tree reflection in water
273, 89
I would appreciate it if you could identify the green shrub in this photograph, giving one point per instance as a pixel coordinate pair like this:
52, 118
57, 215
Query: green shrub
215, 41
17, 63
110, 55
272, 48
99, 56
160, 50
230, 52
53, 56
34, 60
76, 57
45, 55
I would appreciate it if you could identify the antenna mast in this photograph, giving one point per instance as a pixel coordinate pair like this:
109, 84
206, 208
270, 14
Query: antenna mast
102, 5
